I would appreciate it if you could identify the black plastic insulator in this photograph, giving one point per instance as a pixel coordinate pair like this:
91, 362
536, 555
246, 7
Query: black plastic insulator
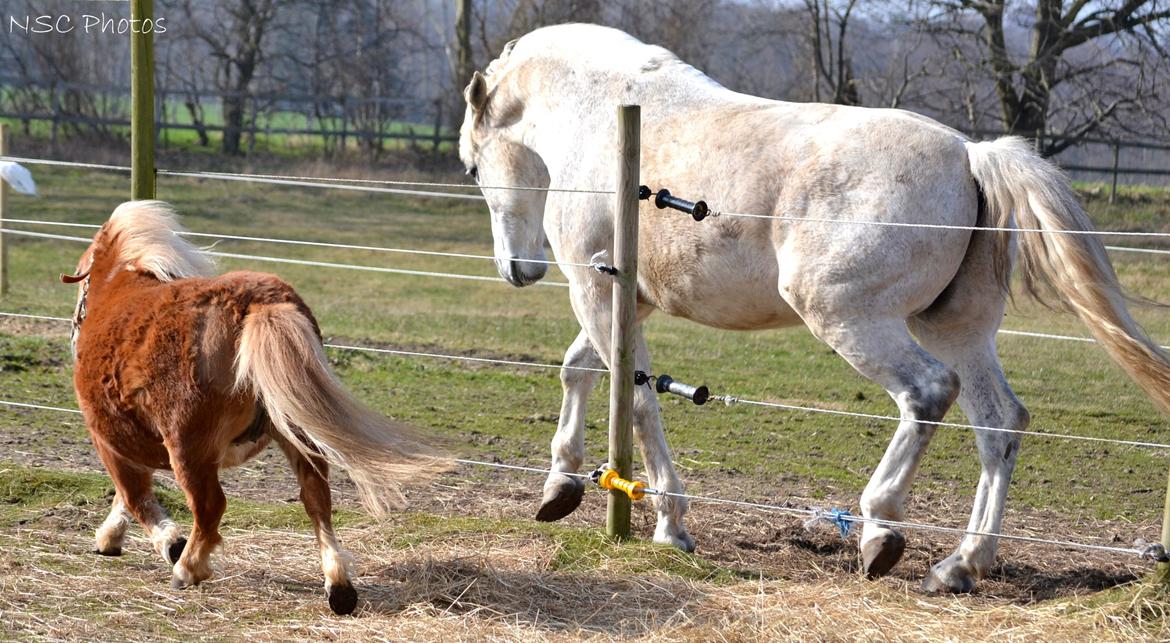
697, 209
644, 192
641, 378
697, 394
596, 475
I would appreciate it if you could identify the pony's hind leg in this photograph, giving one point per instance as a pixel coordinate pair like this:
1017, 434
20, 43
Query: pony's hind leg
135, 497
200, 482
562, 494
313, 478
924, 389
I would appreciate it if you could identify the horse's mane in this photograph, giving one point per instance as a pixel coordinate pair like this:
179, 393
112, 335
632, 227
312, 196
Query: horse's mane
147, 239
593, 46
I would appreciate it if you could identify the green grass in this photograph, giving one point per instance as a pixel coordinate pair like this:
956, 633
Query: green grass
485, 411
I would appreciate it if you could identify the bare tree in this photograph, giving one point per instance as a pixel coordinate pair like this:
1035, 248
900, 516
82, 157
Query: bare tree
832, 64
234, 34
1090, 65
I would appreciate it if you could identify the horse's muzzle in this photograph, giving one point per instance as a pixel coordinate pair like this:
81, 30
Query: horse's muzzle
522, 273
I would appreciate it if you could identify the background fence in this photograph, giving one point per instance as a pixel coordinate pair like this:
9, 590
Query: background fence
192, 116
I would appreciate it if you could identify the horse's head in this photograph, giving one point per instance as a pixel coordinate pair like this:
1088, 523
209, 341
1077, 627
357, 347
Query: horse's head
491, 146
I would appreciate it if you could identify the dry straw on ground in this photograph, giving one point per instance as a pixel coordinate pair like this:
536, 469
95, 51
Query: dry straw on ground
487, 586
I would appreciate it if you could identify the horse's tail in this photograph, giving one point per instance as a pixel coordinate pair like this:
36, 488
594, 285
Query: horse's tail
1016, 181
281, 359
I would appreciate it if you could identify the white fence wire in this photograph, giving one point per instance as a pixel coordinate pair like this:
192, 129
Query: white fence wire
368, 185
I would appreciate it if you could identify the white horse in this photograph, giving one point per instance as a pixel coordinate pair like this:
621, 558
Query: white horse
914, 309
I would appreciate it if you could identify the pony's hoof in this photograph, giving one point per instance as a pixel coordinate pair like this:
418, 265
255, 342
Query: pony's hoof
112, 551
175, 550
949, 577
879, 555
342, 599
562, 496
179, 583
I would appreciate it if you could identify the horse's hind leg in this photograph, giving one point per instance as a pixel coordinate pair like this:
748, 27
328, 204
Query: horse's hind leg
135, 497
313, 478
924, 389
987, 400
562, 494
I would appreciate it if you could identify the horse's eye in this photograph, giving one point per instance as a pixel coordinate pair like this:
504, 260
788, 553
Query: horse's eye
473, 172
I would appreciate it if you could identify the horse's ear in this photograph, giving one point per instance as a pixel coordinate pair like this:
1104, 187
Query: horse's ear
476, 92
72, 279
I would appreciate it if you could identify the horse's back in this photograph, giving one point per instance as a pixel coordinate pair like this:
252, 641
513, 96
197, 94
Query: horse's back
823, 163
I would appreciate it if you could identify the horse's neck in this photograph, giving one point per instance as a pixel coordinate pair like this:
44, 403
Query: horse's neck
568, 130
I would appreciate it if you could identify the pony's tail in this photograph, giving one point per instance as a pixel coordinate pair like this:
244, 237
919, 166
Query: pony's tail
1016, 180
281, 359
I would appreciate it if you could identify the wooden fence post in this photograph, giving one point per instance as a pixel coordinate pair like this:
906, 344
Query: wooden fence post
1162, 571
1116, 160
438, 128
3, 213
142, 101
621, 362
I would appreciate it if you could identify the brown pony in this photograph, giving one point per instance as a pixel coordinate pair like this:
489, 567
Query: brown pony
178, 369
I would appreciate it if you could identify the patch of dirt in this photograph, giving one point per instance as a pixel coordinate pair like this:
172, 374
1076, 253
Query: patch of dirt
758, 543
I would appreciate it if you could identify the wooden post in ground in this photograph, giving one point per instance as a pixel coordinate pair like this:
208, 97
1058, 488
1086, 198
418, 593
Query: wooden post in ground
621, 362
1116, 161
1162, 575
3, 214
142, 100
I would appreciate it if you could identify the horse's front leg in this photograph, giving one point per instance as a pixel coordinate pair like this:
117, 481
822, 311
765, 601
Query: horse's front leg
562, 494
660, 472
592, 306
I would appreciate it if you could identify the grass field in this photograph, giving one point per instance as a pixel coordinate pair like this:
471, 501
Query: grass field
463, 563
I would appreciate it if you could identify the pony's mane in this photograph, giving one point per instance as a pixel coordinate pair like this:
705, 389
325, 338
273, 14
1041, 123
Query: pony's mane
147, 234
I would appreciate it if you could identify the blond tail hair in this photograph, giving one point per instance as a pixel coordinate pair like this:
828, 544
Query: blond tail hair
282, 361
1017, 182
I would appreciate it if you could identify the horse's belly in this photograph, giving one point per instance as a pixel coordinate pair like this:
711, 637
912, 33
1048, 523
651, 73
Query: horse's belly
731, 306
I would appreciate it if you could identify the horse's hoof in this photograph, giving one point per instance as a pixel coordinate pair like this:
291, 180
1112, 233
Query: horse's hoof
112, 551
685, 542
949, 577
179, 583
561, 498
342, 599
879, 555
175, 550
682, 540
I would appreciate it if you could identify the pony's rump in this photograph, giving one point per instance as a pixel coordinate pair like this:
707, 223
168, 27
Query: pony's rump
281, 359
